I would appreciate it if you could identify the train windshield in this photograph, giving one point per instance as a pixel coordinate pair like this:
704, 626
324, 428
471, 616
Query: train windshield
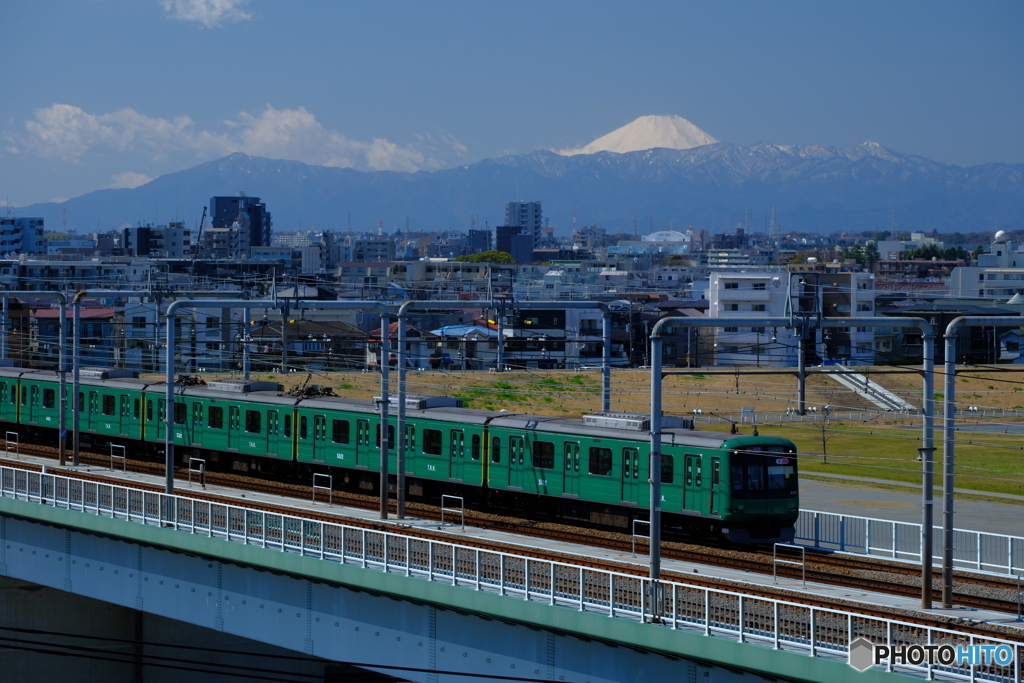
763, 472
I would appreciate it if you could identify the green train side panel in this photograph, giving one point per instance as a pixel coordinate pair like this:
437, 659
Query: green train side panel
232, 424
9, 399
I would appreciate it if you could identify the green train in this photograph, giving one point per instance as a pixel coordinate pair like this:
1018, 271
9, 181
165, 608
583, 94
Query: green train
592, 471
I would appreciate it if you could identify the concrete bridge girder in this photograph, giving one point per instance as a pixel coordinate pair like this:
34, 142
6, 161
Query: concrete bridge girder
319, 618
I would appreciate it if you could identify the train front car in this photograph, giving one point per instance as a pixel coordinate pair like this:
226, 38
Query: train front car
759, 488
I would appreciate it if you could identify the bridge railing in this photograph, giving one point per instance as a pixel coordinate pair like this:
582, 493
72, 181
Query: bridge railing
760, 621
978, 550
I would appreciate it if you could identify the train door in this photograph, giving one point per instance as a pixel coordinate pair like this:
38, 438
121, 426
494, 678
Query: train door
319, 438
33, 406
197, 422
363, 443
692, 482
123, 414
516, 453
571, 455
94, 409
716, 477
161, 418
234, 427
457, 454
631, 475
273, 429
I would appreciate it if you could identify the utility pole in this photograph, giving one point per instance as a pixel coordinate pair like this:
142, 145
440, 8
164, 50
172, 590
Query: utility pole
76, 332
62, 417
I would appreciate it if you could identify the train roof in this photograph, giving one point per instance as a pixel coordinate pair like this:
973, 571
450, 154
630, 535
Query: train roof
564, 425
271, 397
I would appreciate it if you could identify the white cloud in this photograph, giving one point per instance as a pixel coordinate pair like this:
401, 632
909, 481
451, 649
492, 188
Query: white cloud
209, 13
128, 180
67, 132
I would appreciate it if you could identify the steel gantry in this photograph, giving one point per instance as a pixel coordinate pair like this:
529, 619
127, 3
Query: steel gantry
927, 428
949, 436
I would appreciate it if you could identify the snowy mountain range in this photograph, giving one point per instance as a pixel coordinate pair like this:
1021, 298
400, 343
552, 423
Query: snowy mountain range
691, 180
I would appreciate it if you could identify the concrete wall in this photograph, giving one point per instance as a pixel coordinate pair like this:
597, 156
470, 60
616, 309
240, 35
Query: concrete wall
134, 640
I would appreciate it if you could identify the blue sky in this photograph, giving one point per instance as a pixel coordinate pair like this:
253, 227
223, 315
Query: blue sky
109, 93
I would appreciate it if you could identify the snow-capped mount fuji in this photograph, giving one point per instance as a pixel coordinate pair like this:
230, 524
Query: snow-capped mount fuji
648, 132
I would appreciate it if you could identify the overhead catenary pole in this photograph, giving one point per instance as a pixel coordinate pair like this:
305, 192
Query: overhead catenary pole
62, 408
400, 353
245, 344
3, 330
76, 400
606, 359
949, 437
788, 323
927, 470
385, 399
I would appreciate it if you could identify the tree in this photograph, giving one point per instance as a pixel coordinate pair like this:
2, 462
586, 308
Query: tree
492, 256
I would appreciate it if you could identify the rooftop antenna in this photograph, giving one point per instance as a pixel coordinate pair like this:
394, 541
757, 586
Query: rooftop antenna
746, 222
894, 220
574, 222
380, 228
773, 227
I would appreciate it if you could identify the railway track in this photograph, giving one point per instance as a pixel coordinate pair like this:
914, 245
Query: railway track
872, 575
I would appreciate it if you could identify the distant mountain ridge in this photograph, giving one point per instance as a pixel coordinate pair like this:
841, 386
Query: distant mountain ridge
708, 186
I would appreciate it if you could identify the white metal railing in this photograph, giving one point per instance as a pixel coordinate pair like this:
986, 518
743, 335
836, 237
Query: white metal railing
978, 550
776, 624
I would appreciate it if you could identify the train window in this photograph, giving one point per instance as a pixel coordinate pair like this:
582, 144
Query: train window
3, 391
432, 442
699, 468
149, 408
668, 468
339, 431
288, 425
110, 407
391, 437
197, 414
780, 477
253, 421
496, 449
215, 416
716, 472
475, 448
49, 398
303, 427
24, 397
759, 476
136, 408
544, 455
81, 401
180, 412
410, 435
600, 461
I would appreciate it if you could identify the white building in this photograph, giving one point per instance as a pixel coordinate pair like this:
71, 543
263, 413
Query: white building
750, 295
998, 275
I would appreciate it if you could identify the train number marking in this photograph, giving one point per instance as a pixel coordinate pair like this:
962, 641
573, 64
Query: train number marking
542, 482
252, 444
110, 426
432, 468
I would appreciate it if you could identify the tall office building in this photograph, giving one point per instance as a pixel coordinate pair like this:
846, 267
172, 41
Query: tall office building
22, 236
528, 216
225, 211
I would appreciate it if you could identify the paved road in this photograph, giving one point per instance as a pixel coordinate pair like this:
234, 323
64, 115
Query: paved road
860, 498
